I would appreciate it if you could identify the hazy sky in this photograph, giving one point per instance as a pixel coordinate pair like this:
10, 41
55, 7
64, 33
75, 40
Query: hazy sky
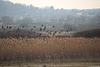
66, 4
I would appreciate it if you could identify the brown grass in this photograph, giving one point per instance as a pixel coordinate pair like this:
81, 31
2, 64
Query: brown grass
88, 33
41, 49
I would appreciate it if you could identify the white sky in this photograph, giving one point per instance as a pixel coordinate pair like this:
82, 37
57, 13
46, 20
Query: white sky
66, 4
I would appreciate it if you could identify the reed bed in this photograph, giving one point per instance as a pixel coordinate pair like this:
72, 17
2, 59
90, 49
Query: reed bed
49, 49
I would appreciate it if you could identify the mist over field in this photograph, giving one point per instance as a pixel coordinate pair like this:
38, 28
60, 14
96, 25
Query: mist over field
17, 14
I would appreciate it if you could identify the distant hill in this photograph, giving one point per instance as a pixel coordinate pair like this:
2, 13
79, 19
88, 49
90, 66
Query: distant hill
28, 15
8, 8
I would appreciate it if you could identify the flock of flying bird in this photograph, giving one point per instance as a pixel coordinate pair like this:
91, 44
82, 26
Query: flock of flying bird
42, 28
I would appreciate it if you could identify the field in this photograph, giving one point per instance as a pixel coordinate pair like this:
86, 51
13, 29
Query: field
64, 50
49, 49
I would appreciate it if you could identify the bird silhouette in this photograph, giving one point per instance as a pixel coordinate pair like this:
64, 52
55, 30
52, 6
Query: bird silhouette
70, 28
42, 25
18, 29
23, 26
10, 27
61, 30
40, 29
31, 29
66, 30
53, 26
34, 26
2, 26
7, 27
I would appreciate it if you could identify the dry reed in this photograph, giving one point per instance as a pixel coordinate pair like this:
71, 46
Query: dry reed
39, 49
